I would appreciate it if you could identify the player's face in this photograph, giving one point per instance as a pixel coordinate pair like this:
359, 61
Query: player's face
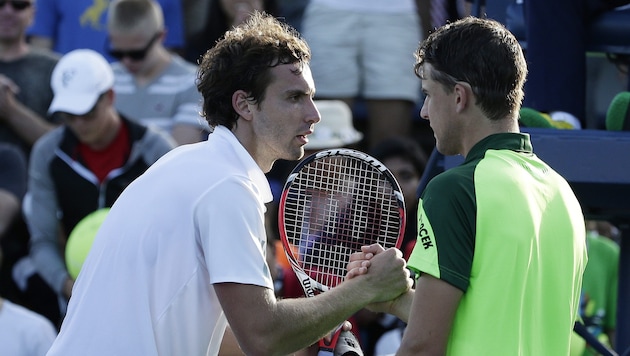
439, 109
15, 17
287, 114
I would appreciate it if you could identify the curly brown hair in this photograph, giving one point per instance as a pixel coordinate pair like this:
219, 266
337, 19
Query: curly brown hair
241, 60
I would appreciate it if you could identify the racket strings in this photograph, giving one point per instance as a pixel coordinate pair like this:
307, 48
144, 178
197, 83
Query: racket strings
335, 206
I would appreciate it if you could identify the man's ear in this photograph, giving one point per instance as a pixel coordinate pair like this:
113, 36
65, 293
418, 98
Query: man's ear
241, 104
463, 96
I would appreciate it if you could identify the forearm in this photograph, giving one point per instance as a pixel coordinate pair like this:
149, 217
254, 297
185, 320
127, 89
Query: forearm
265, 326
26, 123
324, 313
401, 306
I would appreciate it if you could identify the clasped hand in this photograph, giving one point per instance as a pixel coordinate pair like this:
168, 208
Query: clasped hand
388, 264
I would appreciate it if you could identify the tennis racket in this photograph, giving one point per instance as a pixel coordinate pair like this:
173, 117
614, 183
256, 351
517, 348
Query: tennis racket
334, 202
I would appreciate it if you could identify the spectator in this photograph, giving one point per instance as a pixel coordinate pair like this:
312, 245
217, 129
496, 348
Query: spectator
220, 16
25, 71
500, 228
363, 50
65, 25
25, 95
598, 305
84, 164
195, 259
153, 86
22, 331
12, 190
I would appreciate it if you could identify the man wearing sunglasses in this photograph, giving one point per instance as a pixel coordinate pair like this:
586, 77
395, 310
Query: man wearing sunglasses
154, 86
85, 164
64, 25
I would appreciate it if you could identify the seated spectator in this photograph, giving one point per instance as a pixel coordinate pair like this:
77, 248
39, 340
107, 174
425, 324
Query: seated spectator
12, 190
598, 303
63, 25
22, 331
83, 165
153, 86
25, 95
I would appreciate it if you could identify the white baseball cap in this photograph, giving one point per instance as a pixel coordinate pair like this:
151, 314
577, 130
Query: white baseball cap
78, 80
335, 129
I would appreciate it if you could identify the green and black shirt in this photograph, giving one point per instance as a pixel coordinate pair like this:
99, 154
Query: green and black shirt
509, 232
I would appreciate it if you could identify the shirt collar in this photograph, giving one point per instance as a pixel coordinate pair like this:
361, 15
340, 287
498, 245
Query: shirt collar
514, 141
253, 170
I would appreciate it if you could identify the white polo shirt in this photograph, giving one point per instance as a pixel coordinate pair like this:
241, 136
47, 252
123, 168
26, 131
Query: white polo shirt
195, 218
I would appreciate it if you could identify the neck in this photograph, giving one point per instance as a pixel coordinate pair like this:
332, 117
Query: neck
110, 136
161, 60
10, 51
477, 134
245, 135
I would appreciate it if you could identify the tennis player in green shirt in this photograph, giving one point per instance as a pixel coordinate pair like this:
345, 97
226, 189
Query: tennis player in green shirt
500, 250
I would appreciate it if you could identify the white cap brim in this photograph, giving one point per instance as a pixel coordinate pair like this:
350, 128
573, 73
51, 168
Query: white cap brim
73, 103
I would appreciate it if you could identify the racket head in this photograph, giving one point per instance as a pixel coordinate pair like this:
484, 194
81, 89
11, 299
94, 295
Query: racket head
333, 202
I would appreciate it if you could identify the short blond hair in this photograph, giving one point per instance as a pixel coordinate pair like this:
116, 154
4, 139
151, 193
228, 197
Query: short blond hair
134, 15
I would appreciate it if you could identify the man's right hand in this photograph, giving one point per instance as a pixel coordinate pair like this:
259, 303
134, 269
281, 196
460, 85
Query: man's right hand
386, 276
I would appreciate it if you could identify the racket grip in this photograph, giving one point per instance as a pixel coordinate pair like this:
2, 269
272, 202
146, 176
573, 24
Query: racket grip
328, 347
347, 345
342, 343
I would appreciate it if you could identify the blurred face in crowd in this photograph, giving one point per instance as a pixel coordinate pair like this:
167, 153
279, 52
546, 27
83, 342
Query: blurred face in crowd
15, 17
136, 50
406, 175
98, 127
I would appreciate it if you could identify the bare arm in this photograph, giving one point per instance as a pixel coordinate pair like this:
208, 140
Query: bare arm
428, 310
431, 318
264, 325
28, 125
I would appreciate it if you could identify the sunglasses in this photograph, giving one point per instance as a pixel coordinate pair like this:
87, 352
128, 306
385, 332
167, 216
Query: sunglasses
135, 54
17, 5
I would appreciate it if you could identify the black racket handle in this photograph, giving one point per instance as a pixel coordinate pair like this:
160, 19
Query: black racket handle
581, 330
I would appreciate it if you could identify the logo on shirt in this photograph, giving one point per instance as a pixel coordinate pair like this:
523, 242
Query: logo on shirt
92, 15
423, 234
